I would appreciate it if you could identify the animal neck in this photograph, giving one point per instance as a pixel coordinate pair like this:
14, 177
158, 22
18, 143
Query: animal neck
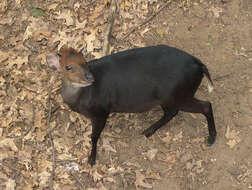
70, 93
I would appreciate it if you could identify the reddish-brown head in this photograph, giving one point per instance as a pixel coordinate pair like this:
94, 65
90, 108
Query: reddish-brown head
73, 66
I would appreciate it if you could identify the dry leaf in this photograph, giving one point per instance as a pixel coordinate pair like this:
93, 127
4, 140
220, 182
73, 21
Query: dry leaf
4, 5
198, 140
97, 12
73, 117
231, 143
152, 175
8, 143
1, 132
127, 15
144, 31
171, 158
178, 136
168, 138
41, 34
26, 111
151, 154
9, 184
67, 187
76, 6
25, 157
89, 39
80, 25
152, 1
40, 135
65, 156
3, 56
8, 21
37, 29
44, 178
53, 6
97, 55
5, 154
96, 176
101, 186
193, 116
140, 180
106, 145
232, 136
67, 16
72, 166
109, 179
128, 3
216, 11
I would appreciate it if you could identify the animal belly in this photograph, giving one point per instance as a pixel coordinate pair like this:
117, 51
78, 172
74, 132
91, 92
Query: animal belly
133, 107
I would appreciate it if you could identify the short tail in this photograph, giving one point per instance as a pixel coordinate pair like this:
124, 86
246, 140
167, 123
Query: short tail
209, 80
208, 77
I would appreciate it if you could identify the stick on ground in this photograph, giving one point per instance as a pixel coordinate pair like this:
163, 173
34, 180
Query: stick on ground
77, 180
111, 19
51, 137
147, 20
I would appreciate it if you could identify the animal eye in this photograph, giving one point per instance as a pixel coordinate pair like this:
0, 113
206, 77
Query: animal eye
68, 67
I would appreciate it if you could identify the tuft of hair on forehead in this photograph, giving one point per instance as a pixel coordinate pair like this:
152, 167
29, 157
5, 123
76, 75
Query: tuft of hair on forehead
67, 53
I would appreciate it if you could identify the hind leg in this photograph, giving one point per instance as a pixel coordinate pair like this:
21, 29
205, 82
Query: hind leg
168, 115
205, 108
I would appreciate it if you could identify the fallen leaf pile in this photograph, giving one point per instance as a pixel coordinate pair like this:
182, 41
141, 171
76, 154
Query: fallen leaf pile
38, 153
232, 137
28, 33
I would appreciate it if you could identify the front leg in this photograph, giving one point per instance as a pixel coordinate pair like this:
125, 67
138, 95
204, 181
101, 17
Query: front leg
98, 124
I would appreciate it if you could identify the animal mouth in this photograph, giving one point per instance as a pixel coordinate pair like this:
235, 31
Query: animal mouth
82, 84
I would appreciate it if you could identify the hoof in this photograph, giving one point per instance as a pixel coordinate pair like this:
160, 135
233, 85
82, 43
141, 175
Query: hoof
91, 161
211, 140
148, 133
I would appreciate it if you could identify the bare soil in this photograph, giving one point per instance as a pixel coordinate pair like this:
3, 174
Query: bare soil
176, 157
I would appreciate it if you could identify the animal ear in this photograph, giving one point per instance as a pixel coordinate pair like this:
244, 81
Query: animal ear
83, 51
53, 61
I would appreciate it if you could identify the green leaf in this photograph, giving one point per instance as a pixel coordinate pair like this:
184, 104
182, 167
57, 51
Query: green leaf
160, 32
208, 44
59, 6
37, 12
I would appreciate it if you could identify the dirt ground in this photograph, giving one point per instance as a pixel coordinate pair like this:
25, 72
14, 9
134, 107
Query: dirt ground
34, 155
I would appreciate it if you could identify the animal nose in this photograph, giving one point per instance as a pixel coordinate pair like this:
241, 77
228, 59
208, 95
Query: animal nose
89, 77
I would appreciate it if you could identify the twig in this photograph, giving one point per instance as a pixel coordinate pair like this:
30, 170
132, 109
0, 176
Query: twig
53, 160
51, 138
146, 21
77, 180
111, 19
68, 160
53, 111
27, 88
221, 77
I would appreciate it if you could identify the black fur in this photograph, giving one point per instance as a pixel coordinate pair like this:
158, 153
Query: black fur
137, 80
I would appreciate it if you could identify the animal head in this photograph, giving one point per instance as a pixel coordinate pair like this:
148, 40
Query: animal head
72, 65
